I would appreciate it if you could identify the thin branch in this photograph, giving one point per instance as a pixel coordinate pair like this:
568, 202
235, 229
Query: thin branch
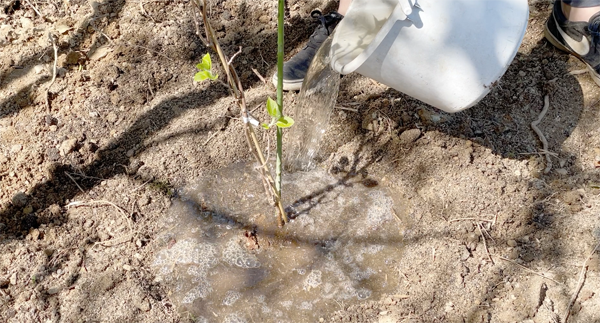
537, 130
35, 9
580, 283
485, 244
234, 55
55, 48
529, 270
470, 219
103, 202
345, 108
74, 181
211, 137
259, 76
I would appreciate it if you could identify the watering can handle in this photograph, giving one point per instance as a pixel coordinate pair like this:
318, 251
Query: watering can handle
405, 8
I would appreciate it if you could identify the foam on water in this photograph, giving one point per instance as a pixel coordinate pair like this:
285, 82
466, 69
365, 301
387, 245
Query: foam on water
340, 246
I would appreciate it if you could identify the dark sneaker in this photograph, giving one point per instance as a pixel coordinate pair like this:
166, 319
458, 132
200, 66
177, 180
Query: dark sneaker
578, 38
295, 69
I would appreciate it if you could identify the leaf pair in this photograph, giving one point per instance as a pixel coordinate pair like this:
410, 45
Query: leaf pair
205, 68
278, 119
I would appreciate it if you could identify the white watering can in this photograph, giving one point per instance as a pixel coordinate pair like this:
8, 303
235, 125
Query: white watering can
447, 53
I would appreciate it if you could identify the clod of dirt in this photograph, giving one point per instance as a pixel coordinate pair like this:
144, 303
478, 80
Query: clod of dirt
68, 146
410, 136
19, 199
574, 200
594, 263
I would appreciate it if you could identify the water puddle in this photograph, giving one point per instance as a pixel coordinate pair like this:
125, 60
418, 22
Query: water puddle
311, 114
223, 259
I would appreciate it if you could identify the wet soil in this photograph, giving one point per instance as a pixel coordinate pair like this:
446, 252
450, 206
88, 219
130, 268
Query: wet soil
90, 168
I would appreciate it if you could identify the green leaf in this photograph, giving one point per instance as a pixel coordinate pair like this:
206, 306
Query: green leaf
273, 108
203, 75
264, 125
285, 122
206, 64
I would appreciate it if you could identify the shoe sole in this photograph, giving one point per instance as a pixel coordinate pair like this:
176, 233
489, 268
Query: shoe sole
554, 41
288, 85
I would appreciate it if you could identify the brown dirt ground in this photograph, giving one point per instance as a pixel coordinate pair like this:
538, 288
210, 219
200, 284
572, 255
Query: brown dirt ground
127, 127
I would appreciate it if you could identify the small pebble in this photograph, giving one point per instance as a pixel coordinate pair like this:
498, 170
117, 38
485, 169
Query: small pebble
127, 267
16, 148
562, 172
38, 69
53, 290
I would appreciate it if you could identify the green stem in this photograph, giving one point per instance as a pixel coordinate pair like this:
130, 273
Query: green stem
279, 166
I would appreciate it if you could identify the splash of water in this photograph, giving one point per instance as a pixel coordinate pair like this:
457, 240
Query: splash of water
317, 100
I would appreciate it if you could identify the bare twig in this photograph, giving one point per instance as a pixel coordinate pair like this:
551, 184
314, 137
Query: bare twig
234, 55
35, 9
211, 137
485, 243
537, 130
344, 108
142, 185
55, 48
102, 202
74, 181
470, 219
529, 270
144, 11
150, 50
259, 76
580, 283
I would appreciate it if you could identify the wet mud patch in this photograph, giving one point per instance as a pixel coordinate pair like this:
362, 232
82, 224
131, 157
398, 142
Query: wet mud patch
221, 255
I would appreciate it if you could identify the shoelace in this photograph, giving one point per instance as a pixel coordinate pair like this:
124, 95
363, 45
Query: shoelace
318, 15
324, 24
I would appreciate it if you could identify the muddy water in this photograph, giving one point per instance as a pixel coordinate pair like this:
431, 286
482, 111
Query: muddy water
224, 260
311, 113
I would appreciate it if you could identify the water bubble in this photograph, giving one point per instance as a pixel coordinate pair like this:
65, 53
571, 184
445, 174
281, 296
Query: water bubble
231, 297
234, 318
306, 306
363, 293
313, 280
287, 304
239, 262
201, 319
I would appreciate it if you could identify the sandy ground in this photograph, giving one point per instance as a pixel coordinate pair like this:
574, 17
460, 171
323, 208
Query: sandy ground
88, 171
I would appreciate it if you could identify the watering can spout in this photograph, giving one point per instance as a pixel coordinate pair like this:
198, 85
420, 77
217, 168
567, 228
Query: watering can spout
444, 53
